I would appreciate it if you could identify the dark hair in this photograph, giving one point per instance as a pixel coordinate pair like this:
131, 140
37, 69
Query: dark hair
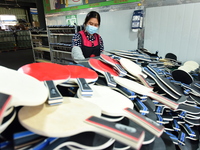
92, 14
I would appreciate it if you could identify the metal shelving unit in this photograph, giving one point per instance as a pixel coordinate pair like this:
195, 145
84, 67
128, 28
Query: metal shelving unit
60, 38
7, 41
23, 40
40, 46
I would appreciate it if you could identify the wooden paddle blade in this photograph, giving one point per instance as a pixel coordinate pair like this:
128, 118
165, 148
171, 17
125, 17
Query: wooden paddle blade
4, 101
140, 89
125, 134
164, 100
135, 70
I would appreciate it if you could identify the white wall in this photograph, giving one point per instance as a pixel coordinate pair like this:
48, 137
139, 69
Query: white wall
174, 29
115, 29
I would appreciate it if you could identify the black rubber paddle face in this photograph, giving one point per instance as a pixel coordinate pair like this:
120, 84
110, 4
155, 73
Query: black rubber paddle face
182, 76
171, 56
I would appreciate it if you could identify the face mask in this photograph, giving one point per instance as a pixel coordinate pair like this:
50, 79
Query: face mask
91, 29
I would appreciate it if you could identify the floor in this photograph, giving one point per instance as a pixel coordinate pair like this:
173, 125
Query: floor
16, 59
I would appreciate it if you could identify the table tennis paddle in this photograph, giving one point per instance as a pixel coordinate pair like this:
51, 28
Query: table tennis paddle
135, 70
51, 74
8, 119
4, 102
186, 68
79, 116
160, 83
161, 76
114, 64
131, 95
122, 107
132, 55
182, 76
24, 89
192, 64
81, 76
26, 139
85, 140
104, 69
149, 137
138, 88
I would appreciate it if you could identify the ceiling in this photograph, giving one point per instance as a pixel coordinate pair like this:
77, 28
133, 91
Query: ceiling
18, 3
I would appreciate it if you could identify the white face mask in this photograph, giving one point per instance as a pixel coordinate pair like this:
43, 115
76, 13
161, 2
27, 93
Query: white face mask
91, 29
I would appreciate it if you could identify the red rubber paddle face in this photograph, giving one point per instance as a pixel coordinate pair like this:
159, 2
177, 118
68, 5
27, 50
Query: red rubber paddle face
99, 65
109, 59
81, 72
46, 71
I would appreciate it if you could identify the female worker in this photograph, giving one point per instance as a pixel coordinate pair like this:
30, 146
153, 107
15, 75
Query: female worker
87, 43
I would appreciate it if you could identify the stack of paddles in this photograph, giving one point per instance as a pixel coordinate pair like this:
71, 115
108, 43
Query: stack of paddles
178, 102
55, 121
115, 103
169, 99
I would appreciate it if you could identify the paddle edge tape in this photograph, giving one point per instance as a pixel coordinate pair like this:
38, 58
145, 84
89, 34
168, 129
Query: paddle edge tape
125, 134
164, 100
145, 122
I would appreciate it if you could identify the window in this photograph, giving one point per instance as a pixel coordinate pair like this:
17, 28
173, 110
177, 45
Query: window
7, 20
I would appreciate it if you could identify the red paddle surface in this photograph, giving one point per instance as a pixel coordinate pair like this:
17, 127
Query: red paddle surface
109, 59
46, 71
99, 65
81, 72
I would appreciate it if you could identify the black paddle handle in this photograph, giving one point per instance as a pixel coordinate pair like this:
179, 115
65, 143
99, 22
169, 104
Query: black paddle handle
85, 88
110, 81
54, 95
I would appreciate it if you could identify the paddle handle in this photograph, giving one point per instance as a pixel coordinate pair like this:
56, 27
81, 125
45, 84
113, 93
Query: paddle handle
144, 82
145, 122
125, 134
54, 95
173, 105
121, 71
84, 87
140, 106
4, 102
109, 79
